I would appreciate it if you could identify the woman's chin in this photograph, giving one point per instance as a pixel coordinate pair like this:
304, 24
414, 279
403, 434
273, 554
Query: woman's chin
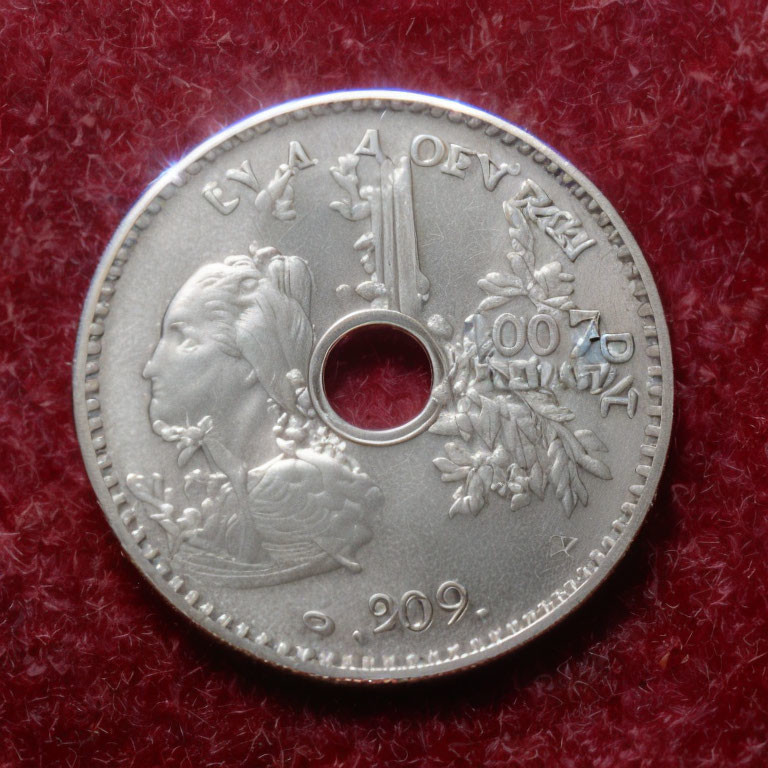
169, 416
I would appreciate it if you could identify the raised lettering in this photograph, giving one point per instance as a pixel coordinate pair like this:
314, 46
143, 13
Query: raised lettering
452, 596
213, 193
245, 175
562, 226
493, 174
415, 611
459, 159
553, 334
615, 396
609, 342
298, 156
434, 156
319, 622
370, 145
502, 321
524, 374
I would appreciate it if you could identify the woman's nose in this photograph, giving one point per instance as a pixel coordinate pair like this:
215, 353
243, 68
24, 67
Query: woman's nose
150, 369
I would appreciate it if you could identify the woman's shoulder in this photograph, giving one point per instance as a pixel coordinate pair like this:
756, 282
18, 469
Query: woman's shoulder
308, 472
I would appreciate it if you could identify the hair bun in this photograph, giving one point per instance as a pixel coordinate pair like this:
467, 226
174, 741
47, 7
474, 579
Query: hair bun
290, 275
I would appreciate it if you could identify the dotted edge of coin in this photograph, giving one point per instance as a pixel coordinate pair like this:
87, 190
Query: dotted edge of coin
360, 662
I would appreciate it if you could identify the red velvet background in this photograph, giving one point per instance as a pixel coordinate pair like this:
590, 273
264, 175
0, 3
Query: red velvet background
665, 106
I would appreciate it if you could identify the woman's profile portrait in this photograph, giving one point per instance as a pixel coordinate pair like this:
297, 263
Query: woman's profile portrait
234, 350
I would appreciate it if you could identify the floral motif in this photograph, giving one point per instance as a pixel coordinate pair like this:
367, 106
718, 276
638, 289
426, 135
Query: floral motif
188, 439
513, 437
355, 205
548, 288
152, 492
210, 492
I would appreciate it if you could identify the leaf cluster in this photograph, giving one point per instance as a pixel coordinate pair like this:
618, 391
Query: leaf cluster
548, 288
512, 439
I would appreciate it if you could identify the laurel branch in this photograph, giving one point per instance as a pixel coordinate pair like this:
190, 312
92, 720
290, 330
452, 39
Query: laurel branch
512, 439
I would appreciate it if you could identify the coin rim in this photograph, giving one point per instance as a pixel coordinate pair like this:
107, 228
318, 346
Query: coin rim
358, 674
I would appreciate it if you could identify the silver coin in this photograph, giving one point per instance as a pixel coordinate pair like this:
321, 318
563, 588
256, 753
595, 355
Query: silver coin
349, 553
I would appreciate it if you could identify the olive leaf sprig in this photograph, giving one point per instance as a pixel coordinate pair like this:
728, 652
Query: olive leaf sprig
513, 438
153, 493
547, 287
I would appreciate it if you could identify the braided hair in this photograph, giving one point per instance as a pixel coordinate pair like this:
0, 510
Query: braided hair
259, 307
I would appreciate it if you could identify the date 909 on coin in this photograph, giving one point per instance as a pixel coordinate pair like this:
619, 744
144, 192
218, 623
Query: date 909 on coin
332, 548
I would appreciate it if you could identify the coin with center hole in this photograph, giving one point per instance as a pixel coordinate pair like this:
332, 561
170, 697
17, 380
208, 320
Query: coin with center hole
326, 542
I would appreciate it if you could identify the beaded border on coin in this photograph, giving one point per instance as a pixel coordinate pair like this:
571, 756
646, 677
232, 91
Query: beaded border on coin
360, 667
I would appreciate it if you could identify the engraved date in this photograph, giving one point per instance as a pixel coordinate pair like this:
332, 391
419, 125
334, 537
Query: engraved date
415, 611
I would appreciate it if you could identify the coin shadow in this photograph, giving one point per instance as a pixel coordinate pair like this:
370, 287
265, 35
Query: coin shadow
579, 634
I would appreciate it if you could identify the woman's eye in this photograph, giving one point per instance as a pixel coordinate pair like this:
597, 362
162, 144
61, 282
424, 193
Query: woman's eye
181, 337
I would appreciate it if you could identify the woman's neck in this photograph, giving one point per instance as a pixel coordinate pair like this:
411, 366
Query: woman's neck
241, 434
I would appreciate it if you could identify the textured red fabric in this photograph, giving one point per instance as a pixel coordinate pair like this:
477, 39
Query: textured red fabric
664, 105
377, 377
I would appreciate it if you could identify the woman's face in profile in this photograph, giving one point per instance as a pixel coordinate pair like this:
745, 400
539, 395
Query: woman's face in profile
190, 375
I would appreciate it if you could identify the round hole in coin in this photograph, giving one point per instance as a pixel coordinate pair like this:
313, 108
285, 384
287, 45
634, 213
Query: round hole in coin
377, 377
